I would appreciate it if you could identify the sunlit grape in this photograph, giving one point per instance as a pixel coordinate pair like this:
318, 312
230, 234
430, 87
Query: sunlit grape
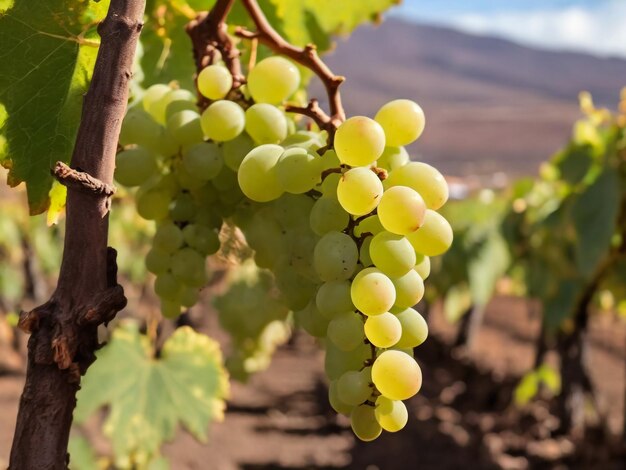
359, 191
223, 121
434, 236
396, 375
214, 82
402, 120
359, 141
273, 80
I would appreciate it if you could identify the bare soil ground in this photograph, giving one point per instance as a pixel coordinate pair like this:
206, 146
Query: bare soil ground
462, 418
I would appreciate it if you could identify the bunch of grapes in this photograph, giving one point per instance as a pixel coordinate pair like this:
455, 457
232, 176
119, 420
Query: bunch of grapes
346, 223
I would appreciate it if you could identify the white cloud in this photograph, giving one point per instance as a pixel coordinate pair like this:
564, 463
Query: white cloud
600, 30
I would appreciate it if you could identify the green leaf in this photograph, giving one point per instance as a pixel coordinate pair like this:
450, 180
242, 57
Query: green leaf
560, 305
574, 163
148, 397
456, 302
489, 264
527, 389
47, 50
550, 378
82, 455
594, 214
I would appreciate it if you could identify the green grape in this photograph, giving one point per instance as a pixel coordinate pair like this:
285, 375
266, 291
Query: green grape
392, 415
401, 210
296, 289
189, 297
214, 82
372, 292
184, 126
298, 171
353, 387
203, 239
134, 166
153, 204
257, 173
154, 103
226, 180
170, 309
235, 150
402, 120
327, 215
167, 287
185, 179
424, 179
364, 253
291, 210
330, 160
434, 236
346, 331
203, 160
359, 141
273, 80
335, 257
158, 261
183, 209
334, 298
392, 254
330, 184
409, 289
422, 267
335, 402
337, 361
223, 121
383, 331
396, 375
188, 266
310, 319
308, 140
414, 328
364, 424
359, 191
138, 127
393, 158
266, 124
370, 224
179, 100
168, 237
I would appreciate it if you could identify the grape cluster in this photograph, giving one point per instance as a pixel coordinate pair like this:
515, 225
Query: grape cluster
347, 230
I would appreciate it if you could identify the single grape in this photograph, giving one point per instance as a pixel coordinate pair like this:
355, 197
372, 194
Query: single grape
335, 257
402, 120
168, 237
327, 215
235, 150
396, 375
297, 170
392, 415
359, 141
153, 204
139, 128
359, 191
203, 239
401, 210
257, 173
167, 287
188, 266
330, 184
203, 160
335, 402
266, 124
189, 297
409, 289
422, 267
214, 82
170, 309
273, 80
364, 424
353, 387
346, 331
157, 261
154, 102
414, 328
333, 298
183, 209
392, 254
369, 225
383, 331
184, 126
393, 158
134, 166
291, 211
372, 292
434, 236
223, 121
424, 179
312, 321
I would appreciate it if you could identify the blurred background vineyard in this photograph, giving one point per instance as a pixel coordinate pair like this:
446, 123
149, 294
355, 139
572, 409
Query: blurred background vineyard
526, 364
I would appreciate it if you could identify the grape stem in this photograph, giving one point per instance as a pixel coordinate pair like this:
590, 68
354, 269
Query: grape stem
209, 35
315, 112
307, 56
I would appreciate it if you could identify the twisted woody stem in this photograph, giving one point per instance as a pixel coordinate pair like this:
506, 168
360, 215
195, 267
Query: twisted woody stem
209, 35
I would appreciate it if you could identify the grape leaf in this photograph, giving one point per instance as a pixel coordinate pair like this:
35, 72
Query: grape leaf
149, 397
486, 267
47, 50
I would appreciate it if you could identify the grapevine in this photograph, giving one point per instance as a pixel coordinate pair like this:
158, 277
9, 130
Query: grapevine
332, 207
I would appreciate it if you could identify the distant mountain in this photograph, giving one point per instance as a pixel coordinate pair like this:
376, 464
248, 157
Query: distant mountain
491, 105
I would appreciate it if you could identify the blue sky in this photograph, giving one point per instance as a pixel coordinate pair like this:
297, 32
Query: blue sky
596, 26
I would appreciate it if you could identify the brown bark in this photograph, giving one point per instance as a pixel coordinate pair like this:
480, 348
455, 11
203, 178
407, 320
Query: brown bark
64, 329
